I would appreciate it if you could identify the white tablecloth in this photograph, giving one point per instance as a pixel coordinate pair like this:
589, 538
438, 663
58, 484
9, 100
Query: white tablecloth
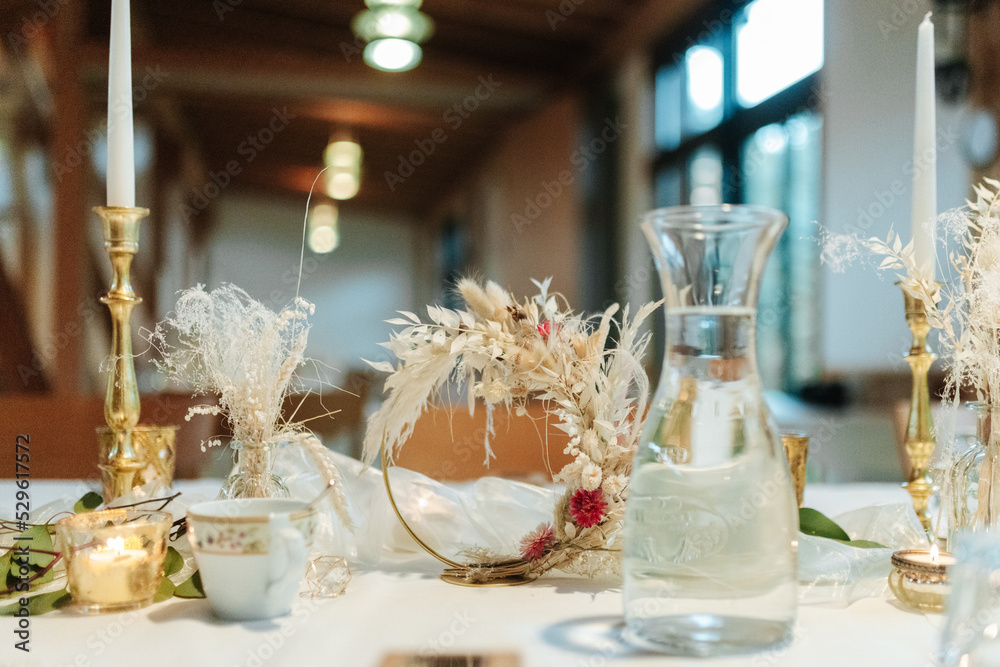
552, 622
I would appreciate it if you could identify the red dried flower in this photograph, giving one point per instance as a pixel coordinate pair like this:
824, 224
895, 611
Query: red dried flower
587, 507
536, 543
545, 328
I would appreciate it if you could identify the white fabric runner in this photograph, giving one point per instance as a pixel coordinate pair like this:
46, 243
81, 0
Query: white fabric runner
401, 605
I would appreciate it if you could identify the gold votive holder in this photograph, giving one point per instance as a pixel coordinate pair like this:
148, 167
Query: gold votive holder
919, 578
797, 452
155, 451
114, 558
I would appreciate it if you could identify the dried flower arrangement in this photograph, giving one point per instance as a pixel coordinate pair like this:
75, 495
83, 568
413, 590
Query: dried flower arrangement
966, 313
508, 353
225, 342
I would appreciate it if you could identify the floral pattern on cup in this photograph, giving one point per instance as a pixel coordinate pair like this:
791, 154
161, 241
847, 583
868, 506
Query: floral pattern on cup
244, 536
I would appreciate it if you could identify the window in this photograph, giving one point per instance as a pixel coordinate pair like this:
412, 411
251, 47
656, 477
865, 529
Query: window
778, 43
735, 122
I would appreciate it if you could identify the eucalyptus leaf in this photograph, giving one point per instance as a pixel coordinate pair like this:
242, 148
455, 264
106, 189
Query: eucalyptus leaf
173, 562
35, 537
44, 579
813, 522
165, 591
191, 588
5, 564
39, 604
865, 544
89, 502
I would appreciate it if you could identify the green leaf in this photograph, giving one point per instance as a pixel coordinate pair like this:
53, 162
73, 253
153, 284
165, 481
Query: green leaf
5, 565
812, 522
44, 579
37, 537
165, 591
865, 544
191, 588
39, 604
88, 503
173, 563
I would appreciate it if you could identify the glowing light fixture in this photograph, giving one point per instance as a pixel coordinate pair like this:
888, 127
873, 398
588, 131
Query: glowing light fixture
394, 30
343, 168
321, 228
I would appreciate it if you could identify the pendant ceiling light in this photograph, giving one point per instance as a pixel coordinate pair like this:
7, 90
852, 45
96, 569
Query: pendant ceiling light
394, 30
343, 168
321, 228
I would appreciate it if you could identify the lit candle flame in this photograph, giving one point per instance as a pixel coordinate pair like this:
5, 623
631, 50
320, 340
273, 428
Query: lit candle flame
934, 553
117, 544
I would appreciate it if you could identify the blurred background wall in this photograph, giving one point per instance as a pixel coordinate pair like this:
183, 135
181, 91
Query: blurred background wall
526, 144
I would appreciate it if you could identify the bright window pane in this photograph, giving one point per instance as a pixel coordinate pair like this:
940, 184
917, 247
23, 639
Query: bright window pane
704, 74
705, 177
668, 108
780, 42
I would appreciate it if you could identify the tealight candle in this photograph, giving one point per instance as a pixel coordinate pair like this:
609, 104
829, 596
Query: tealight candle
114, 558
919, 578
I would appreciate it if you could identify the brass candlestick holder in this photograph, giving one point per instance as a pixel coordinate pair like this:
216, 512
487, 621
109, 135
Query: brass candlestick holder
919, 440
123, 464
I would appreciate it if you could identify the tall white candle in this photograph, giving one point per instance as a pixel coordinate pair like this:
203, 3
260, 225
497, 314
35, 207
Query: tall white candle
121, 155
925, 154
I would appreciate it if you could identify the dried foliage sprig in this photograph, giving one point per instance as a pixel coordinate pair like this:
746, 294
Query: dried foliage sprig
225, 342
965, 311
507, 353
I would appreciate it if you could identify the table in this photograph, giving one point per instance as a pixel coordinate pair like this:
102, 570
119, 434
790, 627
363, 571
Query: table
555, 621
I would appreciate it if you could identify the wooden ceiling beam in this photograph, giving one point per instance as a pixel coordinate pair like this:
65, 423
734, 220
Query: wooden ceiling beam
347, 113
238, 72
505, 16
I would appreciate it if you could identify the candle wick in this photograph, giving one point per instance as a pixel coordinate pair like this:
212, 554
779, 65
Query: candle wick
927, 16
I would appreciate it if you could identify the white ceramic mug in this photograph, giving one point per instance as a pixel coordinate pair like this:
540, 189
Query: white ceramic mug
251, 554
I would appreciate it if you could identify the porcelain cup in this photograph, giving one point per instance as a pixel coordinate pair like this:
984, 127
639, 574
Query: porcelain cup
251, 554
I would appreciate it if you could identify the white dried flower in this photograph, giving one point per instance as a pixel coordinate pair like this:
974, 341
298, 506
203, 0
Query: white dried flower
613, 484
590, 440
591, 477
492, 392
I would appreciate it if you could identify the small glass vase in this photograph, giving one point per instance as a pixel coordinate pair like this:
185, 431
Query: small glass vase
710, 531
975, 476
252, 476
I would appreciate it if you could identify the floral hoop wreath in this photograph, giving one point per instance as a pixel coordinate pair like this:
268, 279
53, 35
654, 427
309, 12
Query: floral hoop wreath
508, 353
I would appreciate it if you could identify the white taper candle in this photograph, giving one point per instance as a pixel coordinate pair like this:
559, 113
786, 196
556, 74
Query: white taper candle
121, 154
925, 155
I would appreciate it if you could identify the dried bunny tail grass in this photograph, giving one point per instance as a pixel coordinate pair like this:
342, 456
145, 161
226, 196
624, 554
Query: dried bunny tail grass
475, 298
330, 473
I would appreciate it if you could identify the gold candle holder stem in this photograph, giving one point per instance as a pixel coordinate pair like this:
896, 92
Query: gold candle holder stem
919, 438
121, 402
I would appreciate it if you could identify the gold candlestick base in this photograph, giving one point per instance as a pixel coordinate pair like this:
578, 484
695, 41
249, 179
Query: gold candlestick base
155, 455
122, 466
919, 439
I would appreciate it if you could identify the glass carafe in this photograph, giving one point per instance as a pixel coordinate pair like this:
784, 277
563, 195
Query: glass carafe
710, 531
